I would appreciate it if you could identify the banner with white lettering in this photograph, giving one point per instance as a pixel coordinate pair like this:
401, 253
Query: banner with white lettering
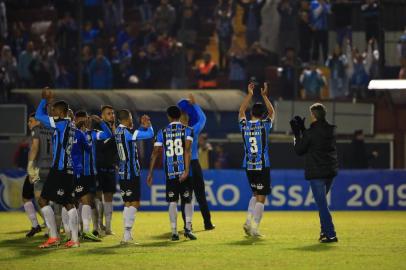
228, 190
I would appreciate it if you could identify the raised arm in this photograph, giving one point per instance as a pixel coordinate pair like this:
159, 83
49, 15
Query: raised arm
146, 131
246, 101
348, 55
268, 104
41, 115
105, 133
201, 122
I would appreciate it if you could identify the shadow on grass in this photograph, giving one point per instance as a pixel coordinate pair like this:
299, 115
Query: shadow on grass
315, 247
162, 236
107, 250
247, 241
25, 247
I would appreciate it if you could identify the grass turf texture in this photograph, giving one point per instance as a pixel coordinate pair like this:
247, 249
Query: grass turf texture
368, 240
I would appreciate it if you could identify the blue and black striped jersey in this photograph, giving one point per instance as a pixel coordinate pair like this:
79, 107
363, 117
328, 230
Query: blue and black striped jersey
66, 138
173, 140
255, 135
89, 157
129, 166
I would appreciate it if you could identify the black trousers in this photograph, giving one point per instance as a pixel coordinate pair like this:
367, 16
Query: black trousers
200, 193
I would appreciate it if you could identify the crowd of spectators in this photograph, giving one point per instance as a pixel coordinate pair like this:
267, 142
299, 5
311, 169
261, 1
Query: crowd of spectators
159, 49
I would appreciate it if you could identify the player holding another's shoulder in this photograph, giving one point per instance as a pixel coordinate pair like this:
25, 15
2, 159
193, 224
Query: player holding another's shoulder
85, 179
58, 186
176, 141
255, 134
129, 167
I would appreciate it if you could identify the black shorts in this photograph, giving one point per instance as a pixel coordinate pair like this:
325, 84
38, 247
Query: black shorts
174, 189
28, 189
131, 189
106, 180
84, 185
260, 181
58, 187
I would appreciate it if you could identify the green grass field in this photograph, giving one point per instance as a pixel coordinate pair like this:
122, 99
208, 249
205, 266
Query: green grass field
368, 240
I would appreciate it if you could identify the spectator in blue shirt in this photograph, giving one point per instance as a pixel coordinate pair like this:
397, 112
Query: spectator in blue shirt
89, 33
312, 81
319, 13
100, 72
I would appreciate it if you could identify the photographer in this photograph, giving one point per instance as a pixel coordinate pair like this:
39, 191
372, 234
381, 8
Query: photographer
318, 145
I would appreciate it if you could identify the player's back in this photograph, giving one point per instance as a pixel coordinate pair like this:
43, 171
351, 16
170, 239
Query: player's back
255, 135
173, 139
127, 152
65, 136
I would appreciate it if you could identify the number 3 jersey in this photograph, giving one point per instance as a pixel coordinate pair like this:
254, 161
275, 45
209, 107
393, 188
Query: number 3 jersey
129, 166
255, 135
173, 140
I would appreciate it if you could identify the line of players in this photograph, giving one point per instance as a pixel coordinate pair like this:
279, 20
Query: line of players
71, 178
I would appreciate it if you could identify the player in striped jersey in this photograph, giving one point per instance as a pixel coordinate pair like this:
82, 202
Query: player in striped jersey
58, 187
129, 167
176, 141
85, 183
255, 134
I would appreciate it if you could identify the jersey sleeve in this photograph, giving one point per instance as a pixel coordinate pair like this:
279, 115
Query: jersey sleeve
201, 122
159, 139
242, 123
189, 134
35, 133
105, 133
42, 115
267, 124
143, 134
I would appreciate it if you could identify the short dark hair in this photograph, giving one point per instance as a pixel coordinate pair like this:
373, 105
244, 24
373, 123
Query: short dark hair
123, 115
319, 111
81, 113
258, 110
358, 132
61, 105
174, 112
105, 107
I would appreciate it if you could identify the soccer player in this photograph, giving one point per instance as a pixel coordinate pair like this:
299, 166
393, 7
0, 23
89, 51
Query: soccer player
106, 172
255, 134
129, 168
85, 183
39, 160
193, 114
176, 142
58, 186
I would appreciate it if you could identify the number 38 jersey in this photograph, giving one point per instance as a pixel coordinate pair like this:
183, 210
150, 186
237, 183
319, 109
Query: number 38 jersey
255, 135
173, 140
